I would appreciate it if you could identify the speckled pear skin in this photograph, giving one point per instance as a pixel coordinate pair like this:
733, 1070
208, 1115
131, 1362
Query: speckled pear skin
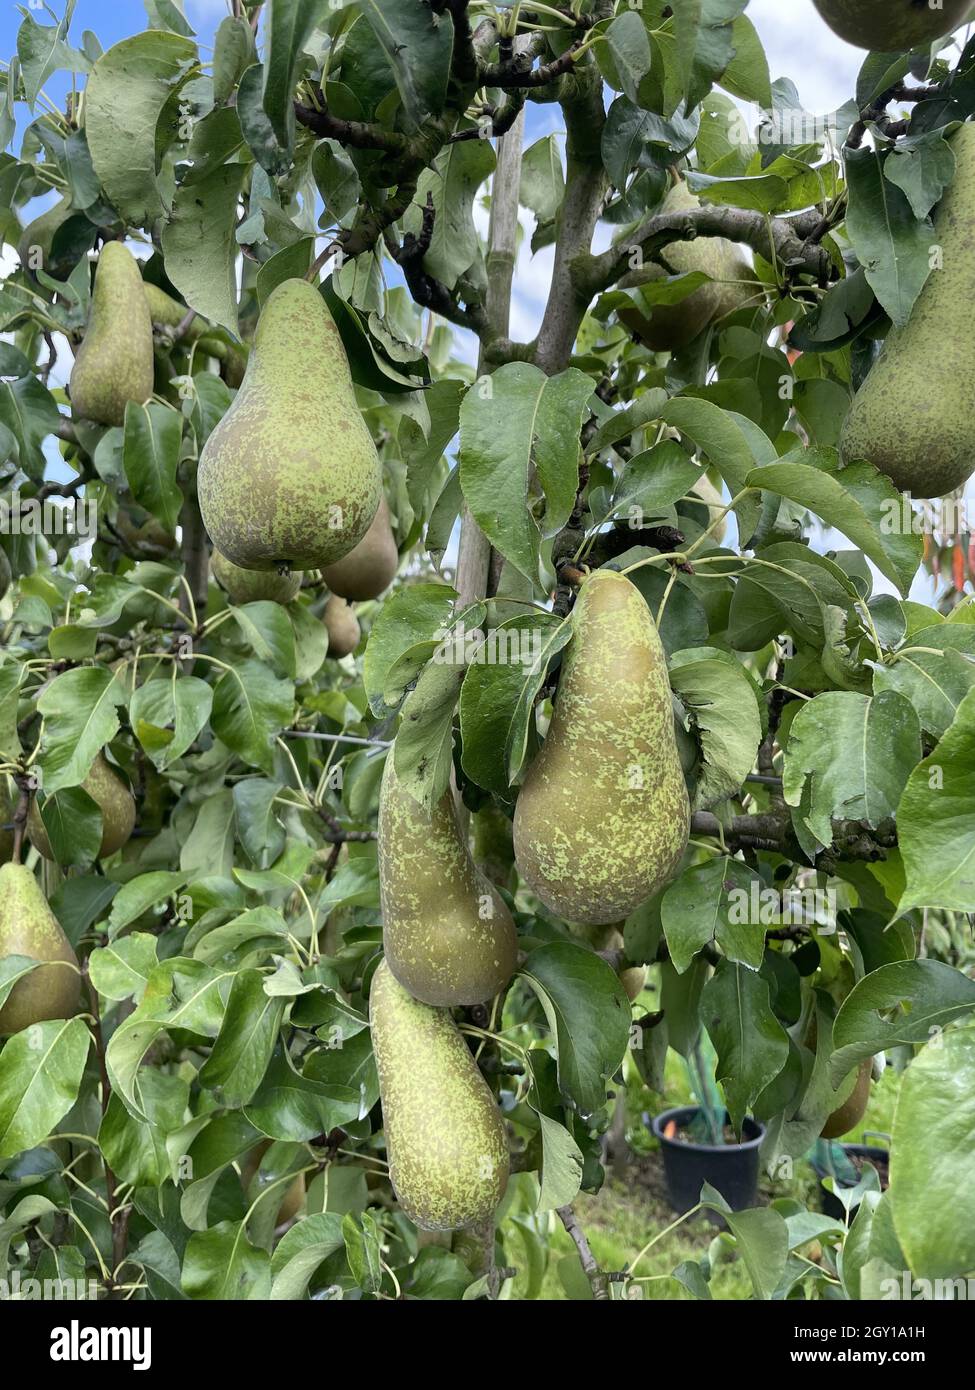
28, 927
670, 327
445, 1138
251, 586
912, 418
449, 938
369, 569
891, 26
290, 476
602, 819
117, 807
114, 363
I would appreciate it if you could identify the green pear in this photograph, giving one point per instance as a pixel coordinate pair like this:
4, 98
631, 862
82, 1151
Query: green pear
117, 807
912, 418
448, 935
167, 312
602, 819
28, 927
445, 1138
342, 626
248, 586
114, 364
370, 568
892, 26
290, 477
670, 327
848, 1115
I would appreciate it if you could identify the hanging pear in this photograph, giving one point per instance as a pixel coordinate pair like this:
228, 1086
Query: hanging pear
912, 418
370, 568
342, 626
115, 801
445, 1138
448, 935
28, 927
114, 363
892, 26
602, 819
290, 477
250, 586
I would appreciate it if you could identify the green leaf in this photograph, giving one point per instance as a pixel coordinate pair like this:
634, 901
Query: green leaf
901, 1004
751, 1044
452, 184
150, 454
417, 46
40, 1073
922, 166
723, 707
240, 1056
542, 187
698, 907
301, 1250
893, 247
30, 413
222, 1264
73, 821
932, 1198
250, 708
167, 716
141, 893
705, 43
80, 717
287, 27
935, 670
136, 1149
848, 757
410, 615
589, 1017
936, 822
42, 49
747, 75
720, 437
124, 98
121, 970
296, 1108
199, 245
267, 629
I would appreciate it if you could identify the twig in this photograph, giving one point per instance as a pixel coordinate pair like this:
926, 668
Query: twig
597, 1279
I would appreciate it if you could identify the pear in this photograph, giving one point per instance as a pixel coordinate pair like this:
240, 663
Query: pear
342, 625
602, 819
892, 26
28, 927
448, 935
293, 1198
290, 477
445, 1138
848, 1115
114, 363
117, 807
370, 568
167, 312
248, 586
912, 418
670, 327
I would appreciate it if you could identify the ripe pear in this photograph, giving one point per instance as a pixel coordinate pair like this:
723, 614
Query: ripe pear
445, 1138
669, 327
28, 927
912, 418
293, 1199
290, 477
342, 626
117, 807
369, 569
114, 363
602, 819
249, 586
848, 1115
892, 26
449, 937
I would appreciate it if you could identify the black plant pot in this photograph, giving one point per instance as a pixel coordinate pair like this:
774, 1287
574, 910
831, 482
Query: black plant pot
730, 1168
830, 1204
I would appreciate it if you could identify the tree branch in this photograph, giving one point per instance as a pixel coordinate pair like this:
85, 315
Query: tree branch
358, 135
598, 1281
518, 74
425, 289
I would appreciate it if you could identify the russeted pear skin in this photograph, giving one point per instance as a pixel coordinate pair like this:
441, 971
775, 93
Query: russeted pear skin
342, 626
448, 936
290, 477
114, 363
602, 819
28, 927
912, 418
892, 26
117, 807
445, 1138
250, 586
370, 568
670, 327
